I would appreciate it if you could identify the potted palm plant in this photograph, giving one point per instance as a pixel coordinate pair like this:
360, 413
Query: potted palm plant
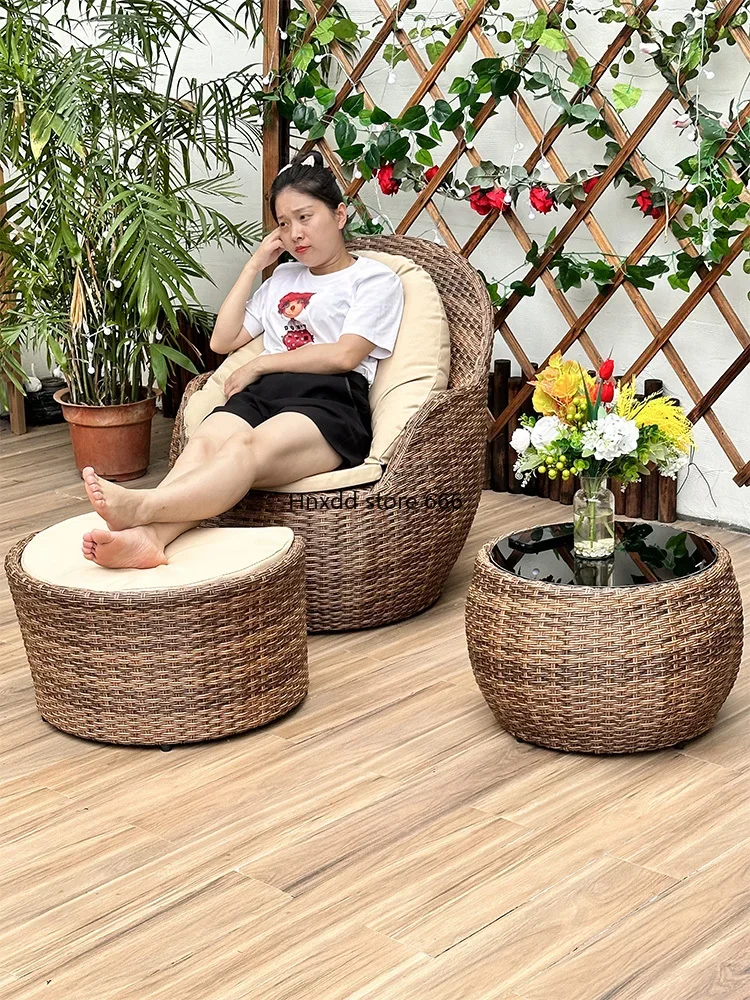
115, 168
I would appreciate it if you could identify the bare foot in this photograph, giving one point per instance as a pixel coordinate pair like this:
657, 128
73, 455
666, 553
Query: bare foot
119, 507
136, 548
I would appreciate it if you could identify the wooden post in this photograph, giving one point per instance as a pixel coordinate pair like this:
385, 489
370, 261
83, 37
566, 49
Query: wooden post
554, 488
16, 399
514, 387
667, 500
633, 500
616, 487
650, 495
499, 444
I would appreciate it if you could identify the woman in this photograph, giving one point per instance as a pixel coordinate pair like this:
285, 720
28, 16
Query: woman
301, 407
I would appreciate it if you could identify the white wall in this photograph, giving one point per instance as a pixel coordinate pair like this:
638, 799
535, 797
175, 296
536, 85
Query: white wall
705, 343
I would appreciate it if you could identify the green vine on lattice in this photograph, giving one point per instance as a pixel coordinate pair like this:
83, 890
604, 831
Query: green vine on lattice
304, 96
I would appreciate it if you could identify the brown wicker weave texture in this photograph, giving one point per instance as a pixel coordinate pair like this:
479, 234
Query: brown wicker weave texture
367, 566
165, 666
605, 670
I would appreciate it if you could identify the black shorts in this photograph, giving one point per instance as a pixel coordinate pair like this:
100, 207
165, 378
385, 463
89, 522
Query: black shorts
339, 405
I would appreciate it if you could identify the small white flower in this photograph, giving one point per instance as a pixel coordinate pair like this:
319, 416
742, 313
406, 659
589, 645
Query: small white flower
375, 220
508, 198
545, 431
682, 121
609, 437
709, 74
160, 336
649, 48
57, 372
283, 35
357, 172
532, 215
724, 122
91, 369
391, 77
673, 463
518, 147
520, 440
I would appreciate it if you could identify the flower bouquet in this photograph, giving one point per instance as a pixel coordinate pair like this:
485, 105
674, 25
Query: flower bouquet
594, 428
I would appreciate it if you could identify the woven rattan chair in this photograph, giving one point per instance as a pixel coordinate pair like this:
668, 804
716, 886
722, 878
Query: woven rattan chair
381, 561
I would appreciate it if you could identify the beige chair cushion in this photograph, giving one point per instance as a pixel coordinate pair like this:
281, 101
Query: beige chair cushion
199, 556
418, 367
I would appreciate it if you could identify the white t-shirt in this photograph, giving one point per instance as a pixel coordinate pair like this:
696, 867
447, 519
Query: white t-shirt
295, 307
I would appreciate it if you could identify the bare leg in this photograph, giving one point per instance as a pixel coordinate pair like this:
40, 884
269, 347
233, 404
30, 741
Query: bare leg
143, 546
282, 449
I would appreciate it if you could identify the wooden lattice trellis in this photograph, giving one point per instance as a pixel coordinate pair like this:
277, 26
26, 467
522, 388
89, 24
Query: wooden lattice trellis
276, 153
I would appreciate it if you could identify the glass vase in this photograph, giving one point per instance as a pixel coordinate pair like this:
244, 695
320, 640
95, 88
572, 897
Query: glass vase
593, 519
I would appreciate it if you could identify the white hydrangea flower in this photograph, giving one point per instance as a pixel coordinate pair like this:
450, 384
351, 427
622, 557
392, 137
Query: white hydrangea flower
520, 440
545, 431
609, 437
675, 461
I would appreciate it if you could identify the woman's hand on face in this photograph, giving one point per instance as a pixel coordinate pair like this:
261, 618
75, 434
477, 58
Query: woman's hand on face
269, 250
243, 376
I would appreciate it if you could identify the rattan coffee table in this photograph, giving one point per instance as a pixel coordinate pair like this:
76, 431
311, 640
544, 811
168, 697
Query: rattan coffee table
633, 653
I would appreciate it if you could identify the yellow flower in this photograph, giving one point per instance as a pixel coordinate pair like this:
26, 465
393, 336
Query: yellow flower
657, 411
558, 385
627, 405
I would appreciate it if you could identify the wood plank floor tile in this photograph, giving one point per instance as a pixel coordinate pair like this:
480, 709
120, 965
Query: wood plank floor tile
385, 841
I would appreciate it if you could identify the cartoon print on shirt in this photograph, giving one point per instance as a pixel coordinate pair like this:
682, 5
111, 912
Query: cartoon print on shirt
292, 305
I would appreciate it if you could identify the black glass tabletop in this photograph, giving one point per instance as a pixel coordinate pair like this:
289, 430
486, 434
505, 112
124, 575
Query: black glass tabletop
644, 553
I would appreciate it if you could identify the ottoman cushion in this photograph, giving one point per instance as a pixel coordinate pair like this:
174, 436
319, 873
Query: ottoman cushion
199, 556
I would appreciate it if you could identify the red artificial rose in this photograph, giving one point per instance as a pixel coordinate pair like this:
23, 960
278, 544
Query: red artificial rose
388, 183
606, 370
496, 197
542, 200
429, 174
608, 392
479, 201
645, 202
590, 184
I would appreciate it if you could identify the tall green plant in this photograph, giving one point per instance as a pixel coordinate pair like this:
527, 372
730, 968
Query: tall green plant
116, 169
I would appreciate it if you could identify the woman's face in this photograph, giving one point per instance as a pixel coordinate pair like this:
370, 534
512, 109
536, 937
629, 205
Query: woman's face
309, 230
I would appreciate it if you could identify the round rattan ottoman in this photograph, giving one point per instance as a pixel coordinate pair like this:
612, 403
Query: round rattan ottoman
208, 646
607, 656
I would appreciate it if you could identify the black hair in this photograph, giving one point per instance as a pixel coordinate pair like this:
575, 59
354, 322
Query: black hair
315, 179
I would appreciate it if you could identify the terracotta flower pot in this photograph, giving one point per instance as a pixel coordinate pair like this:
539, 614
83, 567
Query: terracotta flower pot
114, 440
